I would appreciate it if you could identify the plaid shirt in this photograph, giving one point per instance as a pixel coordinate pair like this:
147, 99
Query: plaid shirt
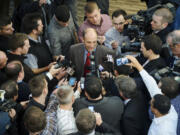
51, 116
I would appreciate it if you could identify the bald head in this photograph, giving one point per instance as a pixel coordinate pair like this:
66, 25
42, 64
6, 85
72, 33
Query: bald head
3, 59
13, 70
90, 39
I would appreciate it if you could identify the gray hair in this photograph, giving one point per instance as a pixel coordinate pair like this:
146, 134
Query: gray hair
127, 86
175, 37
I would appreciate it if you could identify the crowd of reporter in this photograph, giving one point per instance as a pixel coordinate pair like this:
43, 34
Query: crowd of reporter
61, 78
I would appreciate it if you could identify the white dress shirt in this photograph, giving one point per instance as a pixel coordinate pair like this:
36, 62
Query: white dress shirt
65, 122
164, 125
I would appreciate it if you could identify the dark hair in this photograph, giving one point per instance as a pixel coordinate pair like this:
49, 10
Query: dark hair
17, 41
13, 69
122, 69
93, 86
153, 42
119, 12
169, 87
37, 84
85, 121
127, 86
34, 119
30, 22
5, 20
11, 89
161, 103
62, 13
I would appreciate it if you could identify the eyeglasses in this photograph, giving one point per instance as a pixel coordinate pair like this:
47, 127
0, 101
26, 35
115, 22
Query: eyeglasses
121, 23
174, 45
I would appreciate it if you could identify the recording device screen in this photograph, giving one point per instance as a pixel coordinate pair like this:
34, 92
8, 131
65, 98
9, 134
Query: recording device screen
101, 68
72, 81
82, 82
122, 61
91, 108
70, 71
2, 92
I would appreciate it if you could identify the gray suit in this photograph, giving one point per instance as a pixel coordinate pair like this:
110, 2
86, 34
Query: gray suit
77, 57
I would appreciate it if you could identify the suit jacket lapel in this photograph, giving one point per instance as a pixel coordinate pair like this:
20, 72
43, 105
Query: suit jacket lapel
80, 59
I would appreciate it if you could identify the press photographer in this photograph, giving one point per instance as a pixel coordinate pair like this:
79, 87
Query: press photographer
10, 106
173, 40
157, 20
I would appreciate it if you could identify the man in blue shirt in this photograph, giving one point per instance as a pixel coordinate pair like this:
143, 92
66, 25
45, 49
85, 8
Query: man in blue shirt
116, 37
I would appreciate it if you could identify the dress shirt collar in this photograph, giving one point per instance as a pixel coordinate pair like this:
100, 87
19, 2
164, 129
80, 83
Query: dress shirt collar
161, 119
37, 41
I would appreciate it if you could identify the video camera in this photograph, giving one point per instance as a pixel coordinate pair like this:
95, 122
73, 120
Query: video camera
66, 64
166, 72
140, 25
6, 105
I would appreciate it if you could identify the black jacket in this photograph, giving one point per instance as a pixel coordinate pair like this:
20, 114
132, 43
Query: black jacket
135, 119
28, 72
3, 77
42, 53
110, 108
4, 41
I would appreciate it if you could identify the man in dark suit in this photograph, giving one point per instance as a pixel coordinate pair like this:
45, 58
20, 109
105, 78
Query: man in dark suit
135, 117
110, 108
79, 53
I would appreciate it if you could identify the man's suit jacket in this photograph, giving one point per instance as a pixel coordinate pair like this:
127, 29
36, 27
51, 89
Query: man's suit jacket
77, 57
135, 119
110, 108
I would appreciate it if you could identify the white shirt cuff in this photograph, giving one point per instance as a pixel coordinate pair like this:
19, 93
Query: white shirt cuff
49, 76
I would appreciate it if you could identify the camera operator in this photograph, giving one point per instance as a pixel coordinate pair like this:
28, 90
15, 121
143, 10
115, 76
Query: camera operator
161, 26
11, 95
116, 36
173, 39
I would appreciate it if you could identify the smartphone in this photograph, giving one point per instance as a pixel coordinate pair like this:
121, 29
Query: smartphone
101, 68
72, 81
122, 61
2, 92
82, 82
91, 108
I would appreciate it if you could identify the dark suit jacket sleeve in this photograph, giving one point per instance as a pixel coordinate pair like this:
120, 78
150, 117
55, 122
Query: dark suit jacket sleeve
130, 126
106, 128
